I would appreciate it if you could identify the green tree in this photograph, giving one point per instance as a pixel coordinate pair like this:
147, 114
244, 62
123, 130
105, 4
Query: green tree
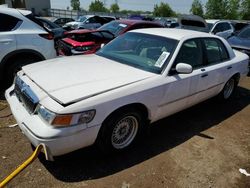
232, 10
197, 8
163, 10
114, 8
75, 4
97, 6
245, 10
216, 9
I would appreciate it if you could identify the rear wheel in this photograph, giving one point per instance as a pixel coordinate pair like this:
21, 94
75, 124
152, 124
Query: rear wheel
228, 89
120, 130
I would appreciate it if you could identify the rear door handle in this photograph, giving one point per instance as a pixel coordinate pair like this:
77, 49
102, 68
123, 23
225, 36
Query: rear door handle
204, 75
229, 67
6, 41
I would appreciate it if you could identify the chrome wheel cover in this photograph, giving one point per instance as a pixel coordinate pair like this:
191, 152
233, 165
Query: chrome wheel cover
228, 89
124, 132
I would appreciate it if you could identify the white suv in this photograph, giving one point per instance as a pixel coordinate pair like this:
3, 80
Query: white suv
221, 28
22, 41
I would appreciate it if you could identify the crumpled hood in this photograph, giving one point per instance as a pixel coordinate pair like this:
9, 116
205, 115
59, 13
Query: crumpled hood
70, 79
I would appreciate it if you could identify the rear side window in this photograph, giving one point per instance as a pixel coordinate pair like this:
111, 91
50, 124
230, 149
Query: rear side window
215, 51
9, 23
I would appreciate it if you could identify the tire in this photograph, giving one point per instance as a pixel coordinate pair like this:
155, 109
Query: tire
15, 66
120, 130
229, 89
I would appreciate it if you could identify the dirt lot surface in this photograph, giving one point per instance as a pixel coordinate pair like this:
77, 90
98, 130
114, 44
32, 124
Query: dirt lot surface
204, 146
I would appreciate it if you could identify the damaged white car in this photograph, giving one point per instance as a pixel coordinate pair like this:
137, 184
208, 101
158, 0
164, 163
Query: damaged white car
108, 97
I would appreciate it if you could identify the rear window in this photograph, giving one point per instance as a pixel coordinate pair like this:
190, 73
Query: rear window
35, 20
9, 23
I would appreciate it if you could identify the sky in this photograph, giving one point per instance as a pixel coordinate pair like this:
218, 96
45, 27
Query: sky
180, 6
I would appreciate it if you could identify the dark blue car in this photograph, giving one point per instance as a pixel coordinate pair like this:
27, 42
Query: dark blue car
241, 41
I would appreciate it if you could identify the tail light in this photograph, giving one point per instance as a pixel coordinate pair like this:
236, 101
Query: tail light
48, 36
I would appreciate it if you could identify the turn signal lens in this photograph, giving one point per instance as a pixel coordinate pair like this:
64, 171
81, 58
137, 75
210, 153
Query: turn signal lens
62, 120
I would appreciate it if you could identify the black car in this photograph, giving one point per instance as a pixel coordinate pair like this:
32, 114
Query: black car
241, 41
57, 31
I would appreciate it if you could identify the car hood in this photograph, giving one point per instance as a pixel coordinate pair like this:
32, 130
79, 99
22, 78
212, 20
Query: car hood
71, 79
238, 42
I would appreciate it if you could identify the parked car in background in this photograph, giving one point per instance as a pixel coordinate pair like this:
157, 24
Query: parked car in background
220, 27
241, 41
109, 97
86, 41
192, 22
86, 22
119, 27
238, 25
57, 30
79, 42
22, 41
166, 22
62, 21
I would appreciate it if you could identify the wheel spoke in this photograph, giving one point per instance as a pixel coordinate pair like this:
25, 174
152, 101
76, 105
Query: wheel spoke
124, 132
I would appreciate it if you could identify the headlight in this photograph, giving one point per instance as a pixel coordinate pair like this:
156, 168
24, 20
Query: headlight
65, 120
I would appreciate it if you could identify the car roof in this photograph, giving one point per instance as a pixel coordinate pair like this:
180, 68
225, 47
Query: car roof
132, 22
11, 11
177, 34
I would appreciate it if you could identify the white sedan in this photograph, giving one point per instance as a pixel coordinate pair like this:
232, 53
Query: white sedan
109, 97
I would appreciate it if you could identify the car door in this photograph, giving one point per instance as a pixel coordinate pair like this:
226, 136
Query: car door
217, 70
181, 89
7, 34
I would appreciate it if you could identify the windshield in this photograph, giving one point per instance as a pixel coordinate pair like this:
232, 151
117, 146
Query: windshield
210, 26
114, 27
147, 52
245, 33
81, 19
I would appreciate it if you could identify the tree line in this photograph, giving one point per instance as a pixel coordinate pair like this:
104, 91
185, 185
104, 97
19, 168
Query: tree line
212, 9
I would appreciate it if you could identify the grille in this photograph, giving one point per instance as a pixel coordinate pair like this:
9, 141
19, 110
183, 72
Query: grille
65, 48
25, 95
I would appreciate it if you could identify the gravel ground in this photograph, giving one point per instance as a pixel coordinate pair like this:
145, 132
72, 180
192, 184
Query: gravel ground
204, 146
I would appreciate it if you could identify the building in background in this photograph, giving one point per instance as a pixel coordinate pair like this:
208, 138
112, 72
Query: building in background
38, 7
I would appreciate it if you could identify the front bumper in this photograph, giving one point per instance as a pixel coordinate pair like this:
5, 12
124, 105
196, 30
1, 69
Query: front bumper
58, 141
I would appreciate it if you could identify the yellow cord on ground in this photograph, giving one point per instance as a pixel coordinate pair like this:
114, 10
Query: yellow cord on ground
22, 166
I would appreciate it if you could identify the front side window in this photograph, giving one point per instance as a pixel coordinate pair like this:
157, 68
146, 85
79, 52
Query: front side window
190, 53
147, 52
218, 28
215, 51
8, 23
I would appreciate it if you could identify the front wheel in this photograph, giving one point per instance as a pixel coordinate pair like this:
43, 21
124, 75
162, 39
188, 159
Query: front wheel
120, 130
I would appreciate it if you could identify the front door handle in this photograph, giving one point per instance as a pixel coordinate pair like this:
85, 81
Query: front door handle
229, 67
204, 75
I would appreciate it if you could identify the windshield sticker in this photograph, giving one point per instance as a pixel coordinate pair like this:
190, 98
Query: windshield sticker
159, 63
122, 25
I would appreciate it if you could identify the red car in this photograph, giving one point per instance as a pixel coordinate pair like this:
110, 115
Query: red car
89, 41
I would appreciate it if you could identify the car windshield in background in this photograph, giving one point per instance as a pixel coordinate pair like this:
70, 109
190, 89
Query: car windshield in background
147, 52
245, 33
81, 19
114, 27
210, 26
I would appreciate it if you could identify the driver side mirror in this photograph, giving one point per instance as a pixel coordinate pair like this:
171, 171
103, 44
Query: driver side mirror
184, 68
